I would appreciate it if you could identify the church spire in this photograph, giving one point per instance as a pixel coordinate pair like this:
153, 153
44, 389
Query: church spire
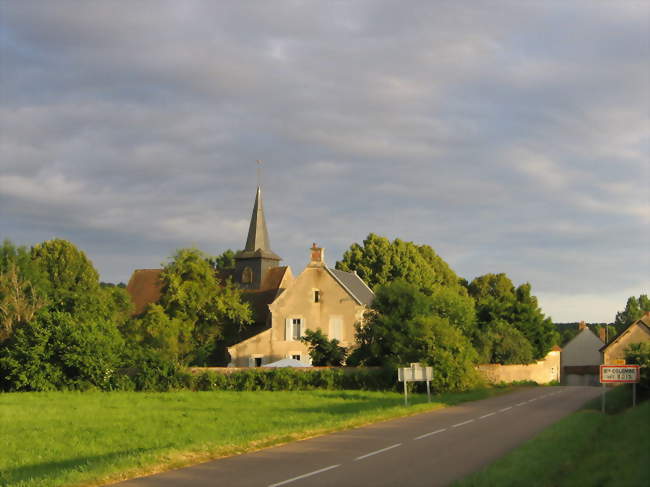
258, 235
253, 263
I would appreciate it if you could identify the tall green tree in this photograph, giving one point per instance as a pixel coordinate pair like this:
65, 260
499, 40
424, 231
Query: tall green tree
192, 294
402, 327
73, 282
635, 308
497, 300
379, 262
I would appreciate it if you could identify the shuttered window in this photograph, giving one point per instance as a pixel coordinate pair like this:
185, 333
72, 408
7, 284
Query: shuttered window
336, 328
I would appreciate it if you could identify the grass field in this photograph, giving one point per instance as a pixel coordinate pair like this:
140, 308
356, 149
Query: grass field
65, 438
586, 448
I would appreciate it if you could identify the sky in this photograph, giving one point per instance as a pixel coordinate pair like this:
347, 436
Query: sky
509, 136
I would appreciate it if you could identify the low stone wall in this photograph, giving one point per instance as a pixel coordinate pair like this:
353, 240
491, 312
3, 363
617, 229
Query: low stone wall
542, 371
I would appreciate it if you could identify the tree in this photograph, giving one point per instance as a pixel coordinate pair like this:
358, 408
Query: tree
223, 261
73, 282
497, 300
639, 354
19, 301
170, 337
528, 318
56, 350
324, 352
502, 343
634, 309
402, 327
192, 294
379, 262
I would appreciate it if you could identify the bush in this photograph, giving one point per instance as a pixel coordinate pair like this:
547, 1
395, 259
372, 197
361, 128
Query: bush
287, 379
639, 354
150, 371
55, 351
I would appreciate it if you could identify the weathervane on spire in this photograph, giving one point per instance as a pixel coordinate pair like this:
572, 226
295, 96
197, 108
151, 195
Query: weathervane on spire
259, 172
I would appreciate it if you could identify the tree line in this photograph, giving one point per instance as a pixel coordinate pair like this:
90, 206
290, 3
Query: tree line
61, 328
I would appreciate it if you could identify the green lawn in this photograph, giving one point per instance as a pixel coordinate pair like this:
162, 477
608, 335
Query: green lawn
586, 449
66, 438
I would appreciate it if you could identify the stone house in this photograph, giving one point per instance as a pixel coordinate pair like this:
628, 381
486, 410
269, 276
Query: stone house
283, 306
581, 358
638, 331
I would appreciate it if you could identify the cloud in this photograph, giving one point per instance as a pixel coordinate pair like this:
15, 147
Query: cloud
511, 138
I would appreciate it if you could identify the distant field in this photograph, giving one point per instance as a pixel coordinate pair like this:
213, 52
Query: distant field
65, 438
586, 448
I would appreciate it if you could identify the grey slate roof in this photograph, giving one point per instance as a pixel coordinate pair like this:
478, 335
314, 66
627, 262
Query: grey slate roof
354, 285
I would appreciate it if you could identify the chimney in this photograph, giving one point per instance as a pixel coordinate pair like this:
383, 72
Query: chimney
582, 326
317, 255
602, 333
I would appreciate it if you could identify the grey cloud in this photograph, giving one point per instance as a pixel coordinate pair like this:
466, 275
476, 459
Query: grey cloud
511, 138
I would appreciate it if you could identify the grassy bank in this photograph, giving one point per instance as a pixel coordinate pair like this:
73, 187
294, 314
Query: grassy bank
66, 438
586, 448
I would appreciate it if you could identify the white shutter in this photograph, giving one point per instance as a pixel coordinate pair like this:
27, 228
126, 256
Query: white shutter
336, 328
251, 361
287, 329
303, 327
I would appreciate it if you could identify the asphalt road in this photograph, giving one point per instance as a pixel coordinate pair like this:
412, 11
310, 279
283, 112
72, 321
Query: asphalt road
429, 449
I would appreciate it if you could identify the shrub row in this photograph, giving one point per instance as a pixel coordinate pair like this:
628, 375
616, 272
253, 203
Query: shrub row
286, 379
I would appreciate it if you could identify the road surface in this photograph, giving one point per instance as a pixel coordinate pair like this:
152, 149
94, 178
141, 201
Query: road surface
428, 449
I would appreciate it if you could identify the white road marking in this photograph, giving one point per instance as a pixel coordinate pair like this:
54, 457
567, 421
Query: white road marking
487, 415
378, 451
305, 475
520, 404
533, 399
429, 434
505, 409
461, 424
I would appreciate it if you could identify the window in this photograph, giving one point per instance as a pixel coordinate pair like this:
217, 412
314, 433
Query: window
295, 328
316, 296
296, 356
336, 328
247, 275
258, 361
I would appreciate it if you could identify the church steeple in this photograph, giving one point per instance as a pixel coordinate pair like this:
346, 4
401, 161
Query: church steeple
258, 235
252, 263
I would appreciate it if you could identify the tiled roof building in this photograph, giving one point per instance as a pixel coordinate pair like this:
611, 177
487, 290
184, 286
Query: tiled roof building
283, 306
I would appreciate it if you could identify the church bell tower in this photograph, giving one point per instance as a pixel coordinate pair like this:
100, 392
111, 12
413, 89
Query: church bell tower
252, 263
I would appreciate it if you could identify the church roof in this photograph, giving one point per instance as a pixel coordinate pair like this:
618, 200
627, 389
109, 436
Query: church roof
144, 287
354, 285
257, 243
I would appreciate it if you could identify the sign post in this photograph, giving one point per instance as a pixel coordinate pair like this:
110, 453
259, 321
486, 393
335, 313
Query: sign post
415, 373
619, 374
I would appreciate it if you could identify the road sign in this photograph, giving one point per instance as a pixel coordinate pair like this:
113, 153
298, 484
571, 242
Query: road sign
620, 373
415, 373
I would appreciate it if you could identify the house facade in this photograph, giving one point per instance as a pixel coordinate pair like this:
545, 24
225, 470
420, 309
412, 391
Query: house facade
283, 306
637, 332
319, 298
581, 358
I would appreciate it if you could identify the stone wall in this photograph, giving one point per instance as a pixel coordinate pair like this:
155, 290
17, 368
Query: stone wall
542, 371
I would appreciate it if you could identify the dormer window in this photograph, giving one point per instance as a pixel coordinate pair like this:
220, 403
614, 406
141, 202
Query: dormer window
317, 296
247, 276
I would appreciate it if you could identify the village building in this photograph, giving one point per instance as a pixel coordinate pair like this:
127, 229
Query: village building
581, 358
283, 306
637, 332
